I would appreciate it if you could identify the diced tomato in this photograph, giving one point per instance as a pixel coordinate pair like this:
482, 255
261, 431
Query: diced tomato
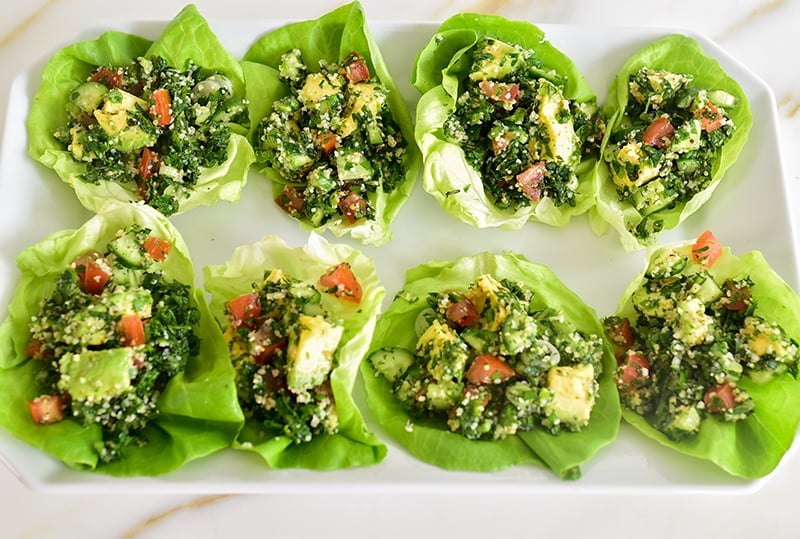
243, 309
328, 141
148, 164
132, 329
489, 369
92, 274
162, 107
356, 70
340, 281
290, 200
501, 143
36, 349
111, 79
706, 250
462, 312
659, 133
353, 207
157, 248
501, 92
737, 297
720, 398
621, 332
710, 117
46, 409
634, 369
530, 180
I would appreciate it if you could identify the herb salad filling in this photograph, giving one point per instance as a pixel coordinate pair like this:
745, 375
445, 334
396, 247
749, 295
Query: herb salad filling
664, 149
692, 340
151, 127
518, 130
283, 346
491, 365
332, 140
111, 335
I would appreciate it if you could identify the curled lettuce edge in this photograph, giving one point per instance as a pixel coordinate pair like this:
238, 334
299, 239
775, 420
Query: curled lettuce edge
72, 65
331, 38
353, 445
198, 410
679, 54
751, 448
446, 174
429, 439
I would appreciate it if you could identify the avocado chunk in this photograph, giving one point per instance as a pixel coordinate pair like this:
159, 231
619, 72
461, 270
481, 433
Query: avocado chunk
86, 97
496, 60
309, 356
90, 326
573, 395
96, 375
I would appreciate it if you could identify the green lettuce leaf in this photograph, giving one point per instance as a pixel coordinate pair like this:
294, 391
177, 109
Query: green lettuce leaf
354, 445
331, 38
178, 44
753, 447
198, 410
678, 54
438, 69
430, 440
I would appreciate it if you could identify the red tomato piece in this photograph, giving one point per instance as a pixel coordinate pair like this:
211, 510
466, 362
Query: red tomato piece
635, 369
157, 248
110, 78
35, 349
148, 164
328, 141
243, 309
290, 200
353, 207
706, 250
132, 329
356, 70
530, 180
621, 333
46, 409
501, 143
489, 369
659, 133
92, 272
720, 398
340, 281
500, 92
162, 107
462, 312
737, 297
710, 117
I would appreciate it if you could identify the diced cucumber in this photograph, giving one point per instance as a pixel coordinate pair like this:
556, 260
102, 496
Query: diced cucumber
652, 196
353, 165
391, 362
231, 109
128, 249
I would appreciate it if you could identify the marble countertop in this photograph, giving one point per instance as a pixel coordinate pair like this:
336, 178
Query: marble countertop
761, 34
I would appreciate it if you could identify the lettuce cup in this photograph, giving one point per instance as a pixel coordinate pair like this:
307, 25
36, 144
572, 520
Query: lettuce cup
330, 128
298, 321
490, 361
707, 345
676, 123
124, 118
111, 361
507, 125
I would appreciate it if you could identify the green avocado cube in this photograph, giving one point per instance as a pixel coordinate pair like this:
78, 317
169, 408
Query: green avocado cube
96, 375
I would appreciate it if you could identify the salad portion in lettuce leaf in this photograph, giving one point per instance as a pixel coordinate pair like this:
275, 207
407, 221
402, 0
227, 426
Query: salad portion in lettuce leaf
508, 127
298, 322
110, 359
330, 128
707, 345
490, 361
122, 118
676, 122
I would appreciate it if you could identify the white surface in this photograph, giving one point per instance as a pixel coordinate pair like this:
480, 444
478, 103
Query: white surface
761, 39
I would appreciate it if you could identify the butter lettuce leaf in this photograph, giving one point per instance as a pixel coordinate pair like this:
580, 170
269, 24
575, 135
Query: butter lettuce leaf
678, 54
430, 439
753, 447
439, 69
198, 410
353, 445
73, 64
331, 38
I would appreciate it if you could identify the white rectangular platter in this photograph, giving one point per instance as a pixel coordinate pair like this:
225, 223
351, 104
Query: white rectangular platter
748, 211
